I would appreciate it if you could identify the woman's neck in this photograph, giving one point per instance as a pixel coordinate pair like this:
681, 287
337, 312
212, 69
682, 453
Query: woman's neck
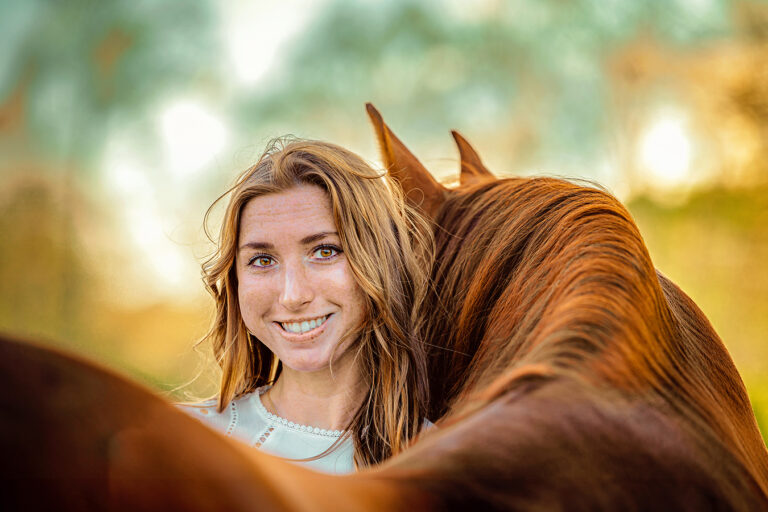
316, 398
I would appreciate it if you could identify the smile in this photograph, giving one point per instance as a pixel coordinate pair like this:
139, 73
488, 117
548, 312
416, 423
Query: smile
304, 326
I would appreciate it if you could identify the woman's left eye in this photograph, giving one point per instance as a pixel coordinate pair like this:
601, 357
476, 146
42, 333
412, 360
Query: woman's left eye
325, 252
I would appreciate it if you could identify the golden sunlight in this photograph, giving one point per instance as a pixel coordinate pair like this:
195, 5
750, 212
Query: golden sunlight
665, 149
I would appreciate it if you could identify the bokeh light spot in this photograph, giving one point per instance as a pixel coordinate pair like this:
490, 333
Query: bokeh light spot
665, 149
192, 134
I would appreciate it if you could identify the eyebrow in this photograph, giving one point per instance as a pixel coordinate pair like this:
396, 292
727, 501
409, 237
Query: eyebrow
304, 241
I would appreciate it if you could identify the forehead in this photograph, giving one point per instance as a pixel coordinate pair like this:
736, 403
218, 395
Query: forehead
304, 209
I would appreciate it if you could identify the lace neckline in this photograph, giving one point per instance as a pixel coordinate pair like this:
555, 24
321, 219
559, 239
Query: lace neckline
290, 424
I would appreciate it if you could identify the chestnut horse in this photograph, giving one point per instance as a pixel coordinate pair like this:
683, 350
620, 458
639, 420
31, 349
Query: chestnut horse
567, 373
570, 373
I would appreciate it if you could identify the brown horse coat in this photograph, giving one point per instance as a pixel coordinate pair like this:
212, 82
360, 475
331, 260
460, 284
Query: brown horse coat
75, 437
568, 375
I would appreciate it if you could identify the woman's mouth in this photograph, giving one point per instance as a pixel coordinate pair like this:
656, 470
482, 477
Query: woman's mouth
304, 326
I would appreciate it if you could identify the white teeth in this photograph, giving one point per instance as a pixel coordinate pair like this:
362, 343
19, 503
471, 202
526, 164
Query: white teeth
305, 326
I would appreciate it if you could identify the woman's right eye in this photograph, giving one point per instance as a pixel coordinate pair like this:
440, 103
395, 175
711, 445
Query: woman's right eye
261, 261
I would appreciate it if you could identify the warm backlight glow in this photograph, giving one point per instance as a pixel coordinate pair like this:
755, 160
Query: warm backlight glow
151, 264
665, 150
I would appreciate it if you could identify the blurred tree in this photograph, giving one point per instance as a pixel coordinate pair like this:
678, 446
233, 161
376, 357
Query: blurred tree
82, 63
527, 76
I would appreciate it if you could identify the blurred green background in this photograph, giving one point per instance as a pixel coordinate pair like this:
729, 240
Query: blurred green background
120, 123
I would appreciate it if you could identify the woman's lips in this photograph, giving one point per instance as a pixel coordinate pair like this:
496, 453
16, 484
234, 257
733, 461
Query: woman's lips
304, 336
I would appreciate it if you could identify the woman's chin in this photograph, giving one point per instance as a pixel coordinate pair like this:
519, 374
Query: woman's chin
318, 363
305, 366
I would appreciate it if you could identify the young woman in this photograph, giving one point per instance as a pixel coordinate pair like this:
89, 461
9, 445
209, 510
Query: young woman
317, 278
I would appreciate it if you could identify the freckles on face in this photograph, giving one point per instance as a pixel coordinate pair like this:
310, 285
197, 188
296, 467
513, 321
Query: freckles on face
296, 291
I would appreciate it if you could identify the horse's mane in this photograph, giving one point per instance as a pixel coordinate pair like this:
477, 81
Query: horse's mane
539, 279
539, 274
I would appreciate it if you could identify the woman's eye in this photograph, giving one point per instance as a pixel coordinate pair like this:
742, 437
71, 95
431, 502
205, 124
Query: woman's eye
261, 261
325, 252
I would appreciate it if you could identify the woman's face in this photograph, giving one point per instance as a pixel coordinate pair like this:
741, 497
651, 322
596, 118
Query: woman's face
296, 290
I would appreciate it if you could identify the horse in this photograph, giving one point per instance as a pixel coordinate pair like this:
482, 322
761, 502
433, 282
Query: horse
565, 371
569, 372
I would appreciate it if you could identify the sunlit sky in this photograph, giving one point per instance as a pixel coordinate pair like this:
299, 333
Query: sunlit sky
255, 32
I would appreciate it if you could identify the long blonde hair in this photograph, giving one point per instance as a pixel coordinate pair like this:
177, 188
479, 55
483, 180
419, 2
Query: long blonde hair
389, 249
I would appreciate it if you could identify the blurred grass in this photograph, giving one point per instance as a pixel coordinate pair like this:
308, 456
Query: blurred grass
715, 247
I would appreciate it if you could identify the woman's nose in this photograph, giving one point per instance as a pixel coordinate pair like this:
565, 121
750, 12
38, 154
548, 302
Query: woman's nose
297, 290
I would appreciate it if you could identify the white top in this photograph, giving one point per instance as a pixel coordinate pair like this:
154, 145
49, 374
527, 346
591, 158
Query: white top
249, 421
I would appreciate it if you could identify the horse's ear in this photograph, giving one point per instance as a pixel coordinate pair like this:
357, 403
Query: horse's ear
420, 187
472, 168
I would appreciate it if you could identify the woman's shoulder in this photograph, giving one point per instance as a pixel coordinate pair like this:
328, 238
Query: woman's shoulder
208, 413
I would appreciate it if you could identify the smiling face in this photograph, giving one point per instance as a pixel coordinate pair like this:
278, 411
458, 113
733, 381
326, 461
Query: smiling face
296, 290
